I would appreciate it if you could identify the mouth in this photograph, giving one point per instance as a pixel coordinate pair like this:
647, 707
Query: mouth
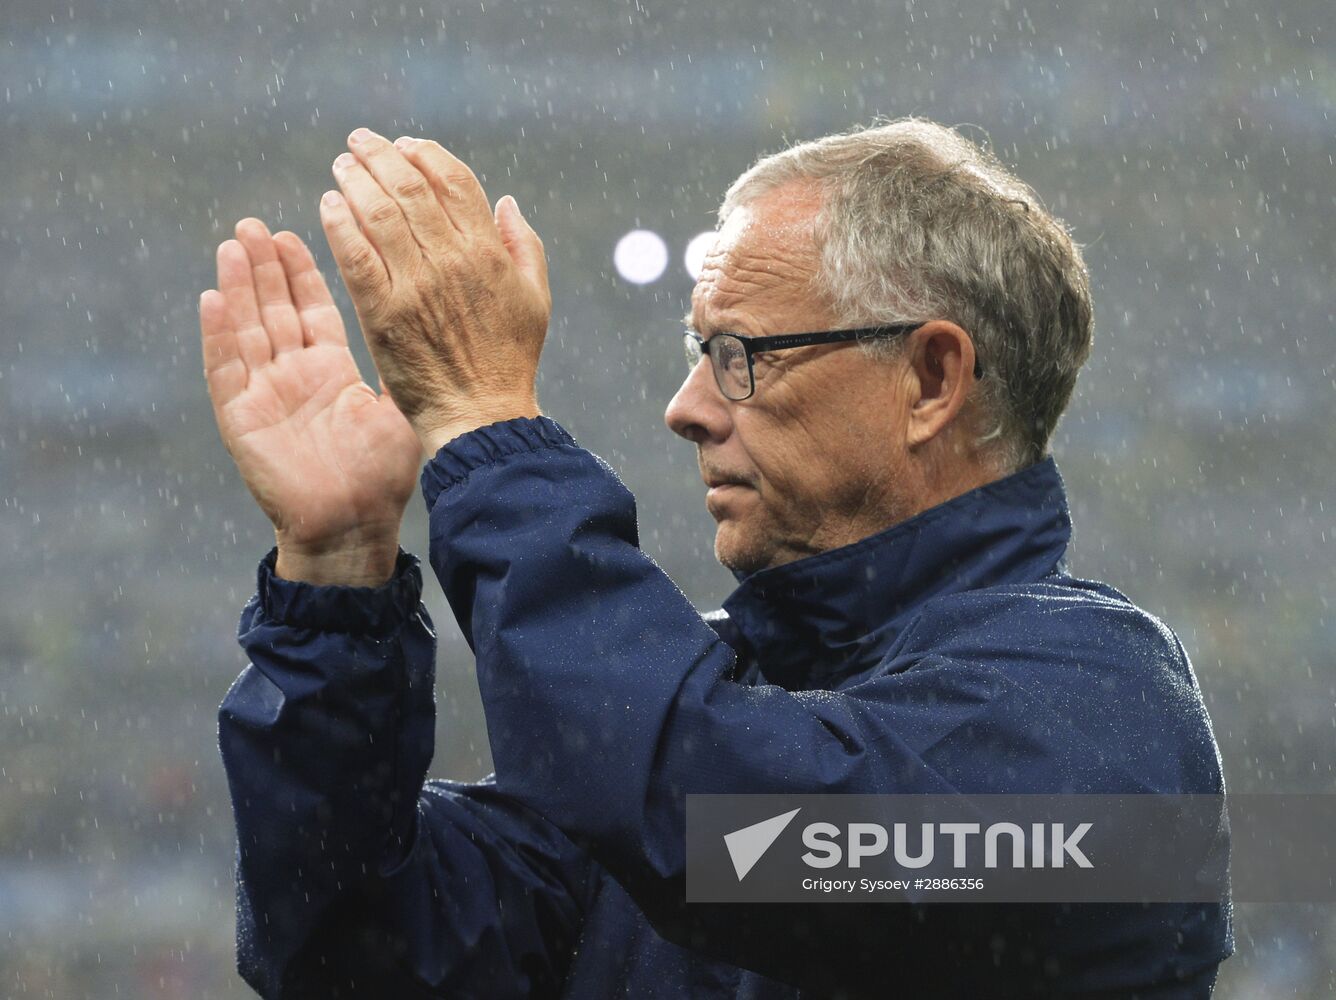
721, 490
718, 482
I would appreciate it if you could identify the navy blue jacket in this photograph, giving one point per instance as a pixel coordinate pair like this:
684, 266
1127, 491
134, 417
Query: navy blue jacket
950, 653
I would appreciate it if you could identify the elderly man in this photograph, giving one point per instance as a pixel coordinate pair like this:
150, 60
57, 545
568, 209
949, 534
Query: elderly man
883, 338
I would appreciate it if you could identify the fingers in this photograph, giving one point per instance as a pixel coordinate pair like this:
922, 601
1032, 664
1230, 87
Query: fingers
224, 369
402, 182
237, 284
523, 244
320, 319
377, 213
457, 188
362, 268
278, 315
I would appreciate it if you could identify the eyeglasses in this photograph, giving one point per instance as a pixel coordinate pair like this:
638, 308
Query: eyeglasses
731, 355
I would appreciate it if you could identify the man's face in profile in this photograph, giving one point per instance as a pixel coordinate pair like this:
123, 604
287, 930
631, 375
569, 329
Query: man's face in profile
809, 462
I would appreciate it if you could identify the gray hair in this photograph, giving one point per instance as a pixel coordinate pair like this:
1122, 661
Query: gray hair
917, 222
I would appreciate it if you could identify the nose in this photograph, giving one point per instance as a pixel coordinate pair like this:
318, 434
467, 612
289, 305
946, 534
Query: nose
699, 412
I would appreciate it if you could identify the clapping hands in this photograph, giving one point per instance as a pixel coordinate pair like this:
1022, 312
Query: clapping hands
453, 302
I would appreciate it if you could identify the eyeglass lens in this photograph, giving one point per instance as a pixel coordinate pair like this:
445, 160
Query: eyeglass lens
728, 358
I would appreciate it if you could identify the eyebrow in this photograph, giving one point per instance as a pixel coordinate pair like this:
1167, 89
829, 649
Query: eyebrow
726, 326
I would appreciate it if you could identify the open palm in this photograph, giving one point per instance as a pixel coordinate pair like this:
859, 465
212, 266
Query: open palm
325, 456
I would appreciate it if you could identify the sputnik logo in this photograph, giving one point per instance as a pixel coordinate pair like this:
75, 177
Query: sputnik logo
746, 846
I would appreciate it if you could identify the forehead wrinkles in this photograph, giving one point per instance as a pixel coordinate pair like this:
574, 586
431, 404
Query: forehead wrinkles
765, 264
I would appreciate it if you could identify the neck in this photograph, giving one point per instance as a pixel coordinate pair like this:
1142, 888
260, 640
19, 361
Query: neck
943, 469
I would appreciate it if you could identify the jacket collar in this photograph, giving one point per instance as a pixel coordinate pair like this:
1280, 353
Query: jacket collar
810, 620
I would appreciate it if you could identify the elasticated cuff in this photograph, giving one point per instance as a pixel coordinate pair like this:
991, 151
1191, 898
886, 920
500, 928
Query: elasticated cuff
332, 607
460, 456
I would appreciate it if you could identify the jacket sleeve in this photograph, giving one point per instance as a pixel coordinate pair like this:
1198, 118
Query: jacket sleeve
608, 698
353, 878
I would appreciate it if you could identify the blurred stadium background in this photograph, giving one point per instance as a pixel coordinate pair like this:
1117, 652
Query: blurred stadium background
1190, 146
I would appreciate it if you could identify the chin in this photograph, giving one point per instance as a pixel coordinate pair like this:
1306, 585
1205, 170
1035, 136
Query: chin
737, 552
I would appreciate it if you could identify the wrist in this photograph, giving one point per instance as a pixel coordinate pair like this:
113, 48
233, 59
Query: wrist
435, 434
367, 562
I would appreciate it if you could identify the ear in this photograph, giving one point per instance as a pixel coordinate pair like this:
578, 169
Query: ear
941, 370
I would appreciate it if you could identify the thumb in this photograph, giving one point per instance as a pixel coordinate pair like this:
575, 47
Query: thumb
523, 244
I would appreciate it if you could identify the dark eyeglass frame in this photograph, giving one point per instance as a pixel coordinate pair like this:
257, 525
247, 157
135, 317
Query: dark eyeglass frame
784, 341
